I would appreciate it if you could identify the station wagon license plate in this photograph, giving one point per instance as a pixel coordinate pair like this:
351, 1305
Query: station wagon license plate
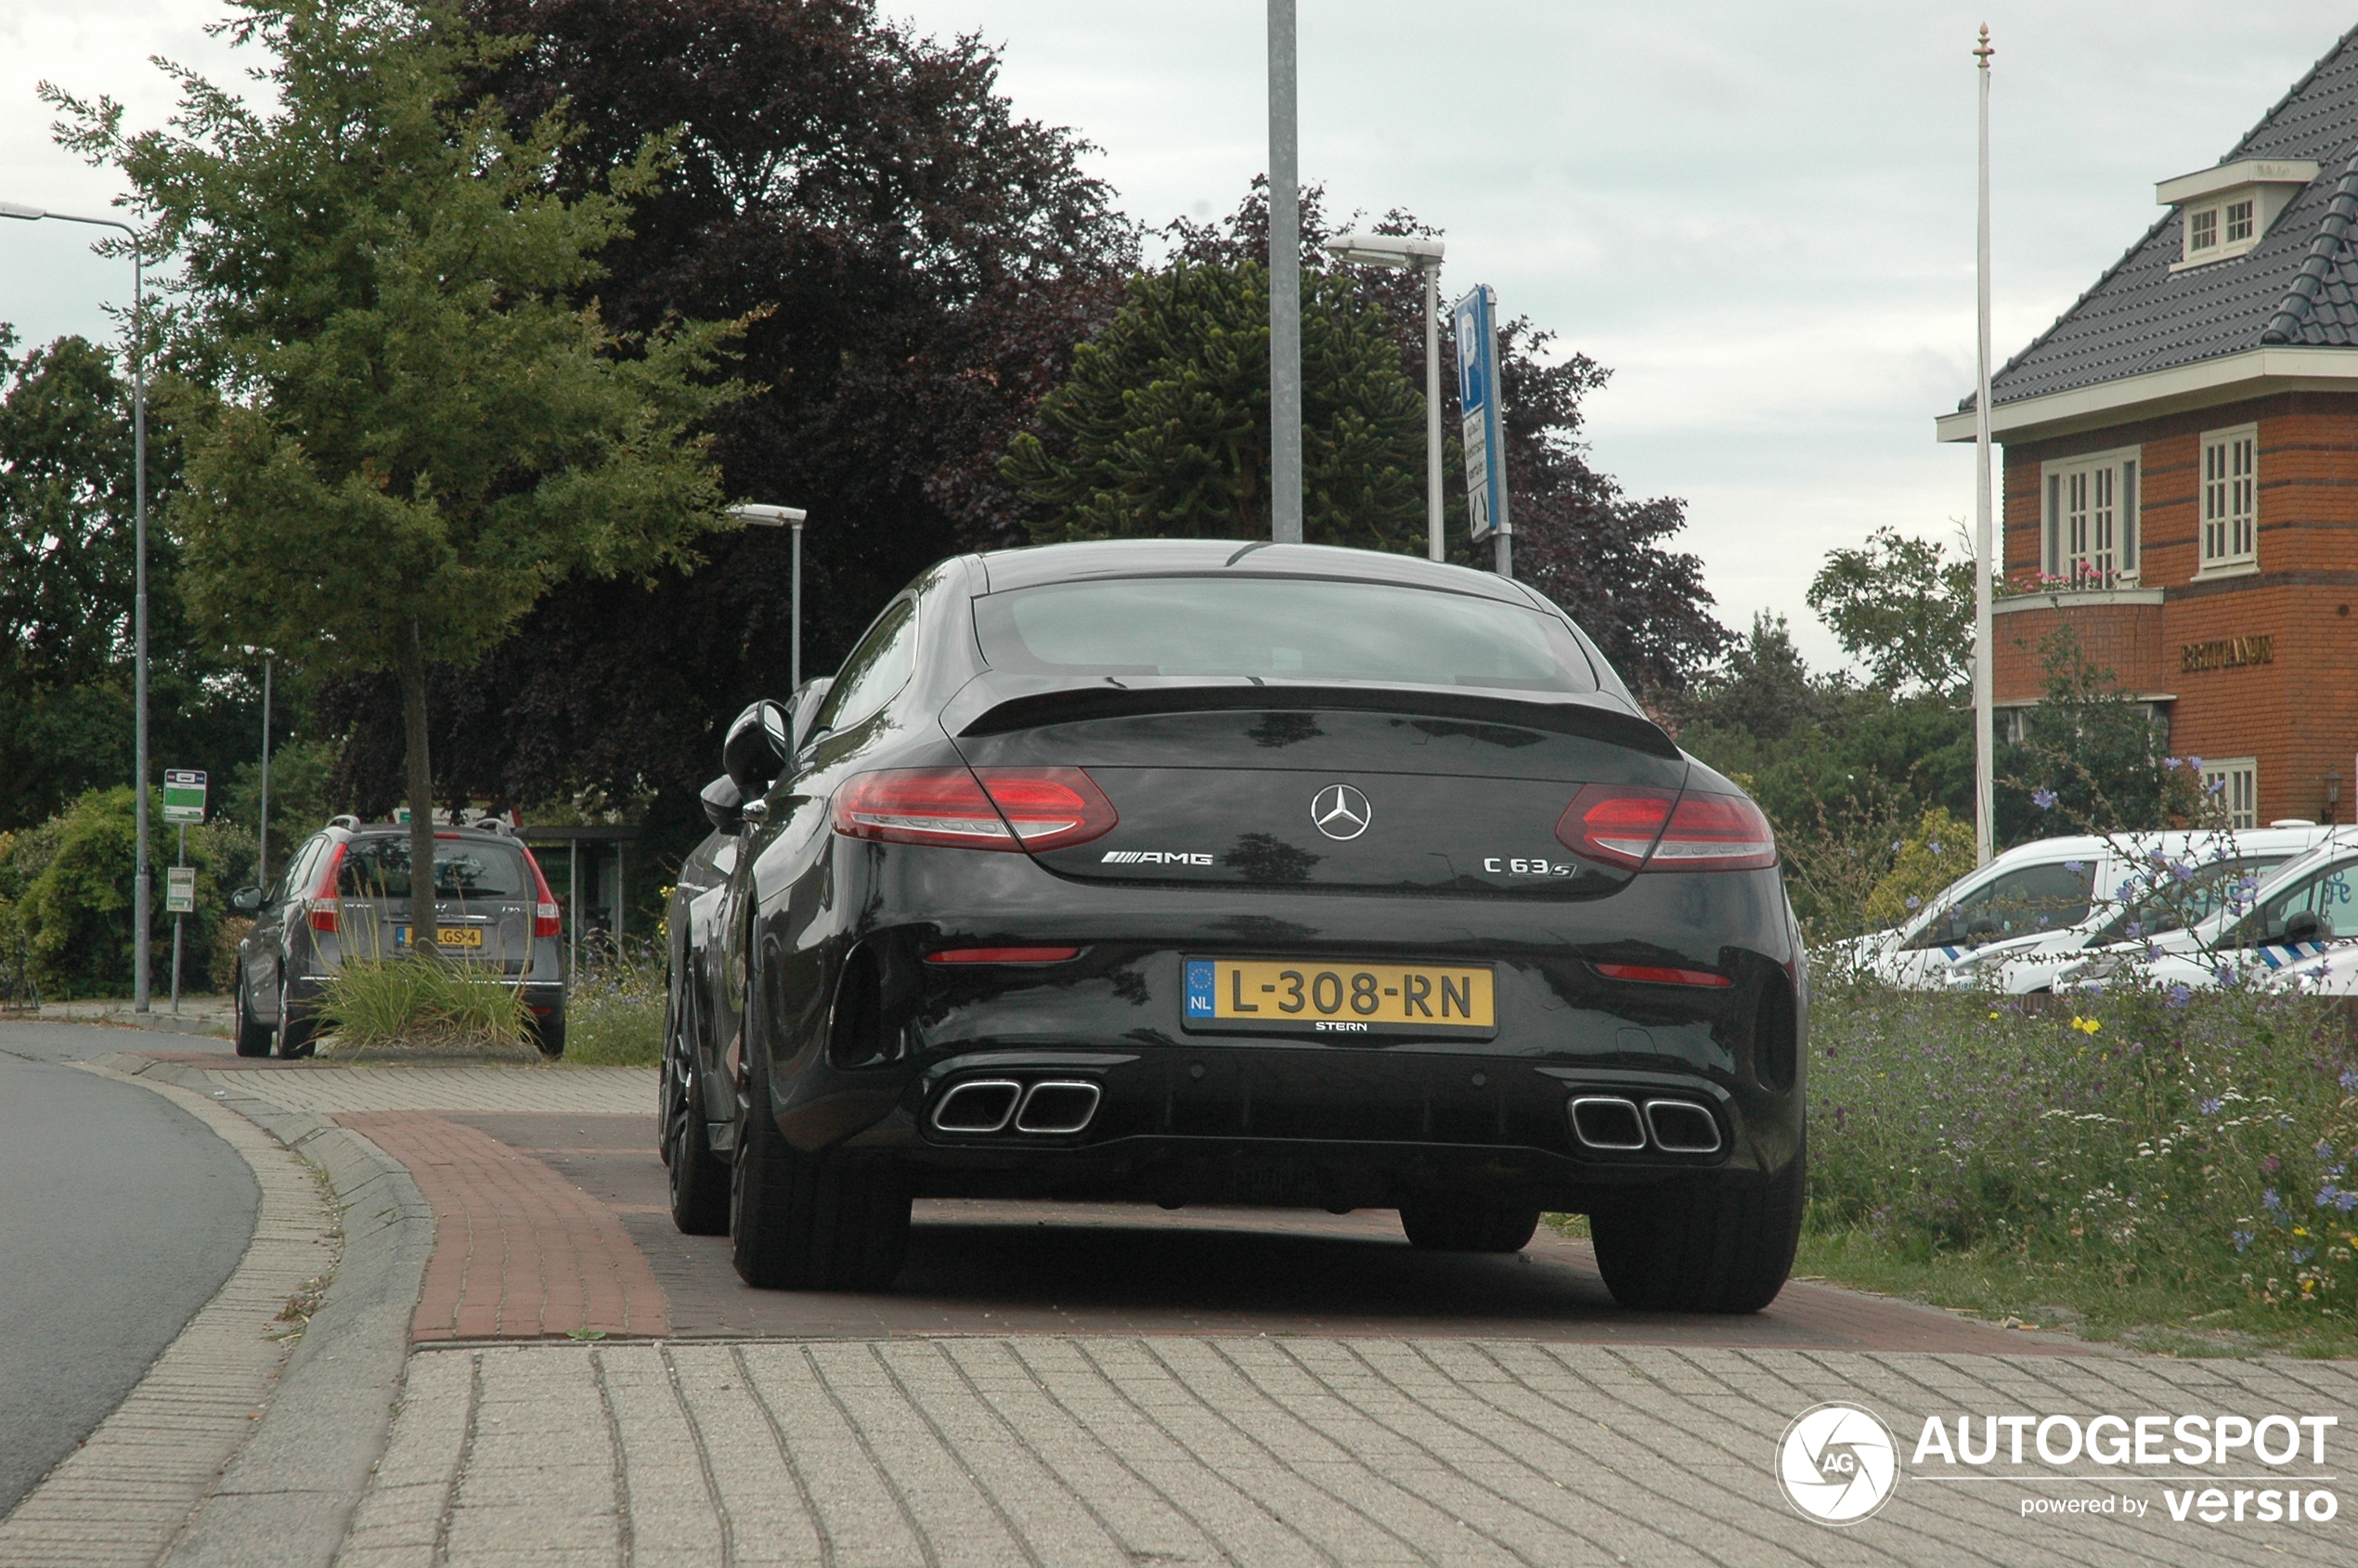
1290, 996
444, 936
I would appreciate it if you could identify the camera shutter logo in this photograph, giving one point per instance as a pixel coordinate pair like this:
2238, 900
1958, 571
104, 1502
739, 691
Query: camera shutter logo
1837, 1463
1340, 811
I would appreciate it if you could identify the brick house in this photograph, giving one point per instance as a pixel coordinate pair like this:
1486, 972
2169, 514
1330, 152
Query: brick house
2181, 464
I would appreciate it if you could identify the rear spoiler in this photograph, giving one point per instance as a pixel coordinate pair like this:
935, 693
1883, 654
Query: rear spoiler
996, 705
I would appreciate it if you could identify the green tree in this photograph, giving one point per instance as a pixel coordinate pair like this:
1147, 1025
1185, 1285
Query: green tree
2090, 759
401, 430
1164, 429
1902, 609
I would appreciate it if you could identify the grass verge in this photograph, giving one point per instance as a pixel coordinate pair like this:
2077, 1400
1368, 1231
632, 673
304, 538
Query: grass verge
614, 1016
419, 1002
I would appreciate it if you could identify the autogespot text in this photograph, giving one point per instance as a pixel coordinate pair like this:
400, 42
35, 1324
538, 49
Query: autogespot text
2208, 1469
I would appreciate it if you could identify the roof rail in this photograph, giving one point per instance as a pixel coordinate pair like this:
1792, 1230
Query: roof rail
345, 820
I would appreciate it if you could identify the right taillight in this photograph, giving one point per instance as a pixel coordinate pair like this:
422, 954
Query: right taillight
1656, 829
975, 809
544, 907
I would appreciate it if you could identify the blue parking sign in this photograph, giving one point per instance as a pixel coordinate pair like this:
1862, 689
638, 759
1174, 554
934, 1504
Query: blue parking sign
1476, 322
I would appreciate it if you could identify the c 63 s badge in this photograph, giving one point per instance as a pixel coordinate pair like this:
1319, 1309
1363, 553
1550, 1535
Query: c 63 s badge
1512, 865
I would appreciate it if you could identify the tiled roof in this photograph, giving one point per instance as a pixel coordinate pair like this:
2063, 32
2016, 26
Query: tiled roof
2298, 286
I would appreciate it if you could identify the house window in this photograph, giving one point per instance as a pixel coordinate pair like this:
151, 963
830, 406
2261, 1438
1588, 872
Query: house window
2233, 784
2230, 498
2238, 221
2090, 529
2202, 229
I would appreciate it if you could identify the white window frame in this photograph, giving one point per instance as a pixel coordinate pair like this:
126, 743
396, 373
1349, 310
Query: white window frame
2088, 523
2193, 246
2239, 792
2227, 536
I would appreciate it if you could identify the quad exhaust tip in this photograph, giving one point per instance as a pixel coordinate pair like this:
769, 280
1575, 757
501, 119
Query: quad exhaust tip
1053, 1107
1618, 1125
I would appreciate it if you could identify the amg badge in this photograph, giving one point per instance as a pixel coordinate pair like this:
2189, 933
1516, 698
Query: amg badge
1154, 857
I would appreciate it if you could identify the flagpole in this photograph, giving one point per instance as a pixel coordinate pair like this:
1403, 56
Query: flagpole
1985, 563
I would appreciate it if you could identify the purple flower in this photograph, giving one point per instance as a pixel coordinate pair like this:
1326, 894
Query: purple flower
2323, 1149
2169, 762
2043, 798
2074, 865
1896, 846
2349, 1079
2268, 1198
2180, 994
2242, 1238
2212, 1107
1913, 901
2194, 764
2327, 1194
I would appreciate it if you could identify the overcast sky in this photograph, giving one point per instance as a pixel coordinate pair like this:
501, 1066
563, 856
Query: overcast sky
1760, 217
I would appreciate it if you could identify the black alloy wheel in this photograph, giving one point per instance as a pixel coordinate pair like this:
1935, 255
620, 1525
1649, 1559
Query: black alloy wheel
253, 1038
1468, 1222
294, 1034
807, 1222
1703, 1244
698, 1178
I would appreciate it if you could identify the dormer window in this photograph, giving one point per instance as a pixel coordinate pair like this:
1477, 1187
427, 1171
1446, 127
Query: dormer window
2224, 211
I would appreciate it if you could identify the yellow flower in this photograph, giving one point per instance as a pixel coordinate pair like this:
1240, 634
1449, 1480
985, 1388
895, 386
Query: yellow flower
2298, 1231
2085, 1026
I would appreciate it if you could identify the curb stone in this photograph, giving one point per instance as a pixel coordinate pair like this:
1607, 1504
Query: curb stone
288, 1496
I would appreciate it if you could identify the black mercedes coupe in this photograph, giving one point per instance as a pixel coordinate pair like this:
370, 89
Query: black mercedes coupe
1189, 872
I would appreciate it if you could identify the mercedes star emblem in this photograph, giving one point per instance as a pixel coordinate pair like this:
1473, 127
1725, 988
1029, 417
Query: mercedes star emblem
1340, 811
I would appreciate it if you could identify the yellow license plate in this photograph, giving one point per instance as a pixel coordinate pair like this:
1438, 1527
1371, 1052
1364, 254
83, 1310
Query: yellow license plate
446, 935
1290, 996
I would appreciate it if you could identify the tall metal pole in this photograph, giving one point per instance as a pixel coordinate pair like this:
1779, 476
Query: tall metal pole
1432, 270
262, 858
1285, 285
794, 674
142, 880
1985, 562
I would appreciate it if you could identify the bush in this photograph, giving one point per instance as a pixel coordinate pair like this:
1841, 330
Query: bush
70, 882
2197, 1145
420, 1002
615, 1016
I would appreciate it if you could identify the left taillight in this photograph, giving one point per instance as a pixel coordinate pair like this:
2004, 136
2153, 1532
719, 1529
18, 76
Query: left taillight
1657, 830
325, 910
975, 808
544, 908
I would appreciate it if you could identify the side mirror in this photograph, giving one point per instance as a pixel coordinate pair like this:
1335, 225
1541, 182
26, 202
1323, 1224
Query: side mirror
2302, 926
246, 899
761, 743
804, 707
724, 805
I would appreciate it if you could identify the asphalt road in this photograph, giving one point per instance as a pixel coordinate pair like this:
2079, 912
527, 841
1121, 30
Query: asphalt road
120, 1216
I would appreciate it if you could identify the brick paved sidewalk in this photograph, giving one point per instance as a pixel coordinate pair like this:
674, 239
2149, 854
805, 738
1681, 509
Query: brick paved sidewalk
1059, 1450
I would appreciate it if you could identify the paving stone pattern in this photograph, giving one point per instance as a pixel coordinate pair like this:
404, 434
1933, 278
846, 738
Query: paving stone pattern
519, 1252
1076, 1450
330, 1090
122, 1497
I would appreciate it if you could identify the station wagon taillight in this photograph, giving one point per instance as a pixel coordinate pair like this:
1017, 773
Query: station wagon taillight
1659, 830
975, 809
326, 909
544, 908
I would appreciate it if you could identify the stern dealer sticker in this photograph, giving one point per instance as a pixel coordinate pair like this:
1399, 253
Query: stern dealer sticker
1839, 1463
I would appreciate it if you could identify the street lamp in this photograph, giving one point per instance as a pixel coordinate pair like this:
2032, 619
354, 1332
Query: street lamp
783, 516
1422, 257
142, 880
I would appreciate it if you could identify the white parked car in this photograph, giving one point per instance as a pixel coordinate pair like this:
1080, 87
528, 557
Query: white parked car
2296, 913
2016, 924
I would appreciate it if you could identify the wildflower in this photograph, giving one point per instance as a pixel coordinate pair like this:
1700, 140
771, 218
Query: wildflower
2213, 1105
1896, 846
2169, 762
2194, 764
2349, 1079
2074, 865
1913, 901
2327, 1194
2269, 1199
2323, 1149
2180, 994
2300, 1230
2085, 1026
2270, 1165
2242, 1238
2043, 798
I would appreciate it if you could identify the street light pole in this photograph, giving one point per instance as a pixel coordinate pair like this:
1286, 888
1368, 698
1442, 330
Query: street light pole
1985, 747
143, 880
1423, 258
1285, 284
794, 517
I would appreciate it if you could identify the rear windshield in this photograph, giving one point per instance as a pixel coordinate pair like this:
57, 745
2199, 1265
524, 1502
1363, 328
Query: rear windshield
1279, 628
379, 868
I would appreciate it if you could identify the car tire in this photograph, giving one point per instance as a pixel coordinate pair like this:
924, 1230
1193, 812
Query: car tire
546, 1032
699, 1178
1468, 1222
294, 1034
808, 1222
253, 1038
1715, 1244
